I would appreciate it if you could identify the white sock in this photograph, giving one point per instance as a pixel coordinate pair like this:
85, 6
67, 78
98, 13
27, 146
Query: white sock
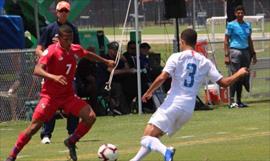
141, 154
153, 143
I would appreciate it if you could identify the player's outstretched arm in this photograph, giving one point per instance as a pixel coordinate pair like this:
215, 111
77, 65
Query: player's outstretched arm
39, 71
157, 83
94, 57
227, 81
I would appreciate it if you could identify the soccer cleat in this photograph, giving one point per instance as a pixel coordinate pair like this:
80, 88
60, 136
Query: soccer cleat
10, 159
233, 105
72, 150
242, 105
46, 140
169, 154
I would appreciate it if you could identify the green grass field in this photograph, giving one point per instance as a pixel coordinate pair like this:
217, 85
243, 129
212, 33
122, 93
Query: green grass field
219, 135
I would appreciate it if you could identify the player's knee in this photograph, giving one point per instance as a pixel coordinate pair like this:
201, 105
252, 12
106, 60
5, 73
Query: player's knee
91, 119
32, 129
145, 141
92, 116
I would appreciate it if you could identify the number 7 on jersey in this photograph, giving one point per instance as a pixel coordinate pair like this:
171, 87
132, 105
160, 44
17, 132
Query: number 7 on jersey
68, 68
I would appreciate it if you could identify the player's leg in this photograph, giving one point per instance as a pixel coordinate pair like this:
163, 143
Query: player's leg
47, 130
239, 92
143, 151
245, 62
24, 137
88, 117
43, 112
150, 142
233, 88
72, 123
156, 128
163, 121
235, 57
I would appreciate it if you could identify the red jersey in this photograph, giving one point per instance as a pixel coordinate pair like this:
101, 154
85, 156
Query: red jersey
59, 61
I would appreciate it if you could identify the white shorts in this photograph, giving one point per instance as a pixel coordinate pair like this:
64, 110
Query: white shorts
169, 120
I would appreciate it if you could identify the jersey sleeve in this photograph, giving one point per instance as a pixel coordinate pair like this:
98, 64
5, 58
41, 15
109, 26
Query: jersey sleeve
46, 56
170, 65
229, 29
79, 51
213, 73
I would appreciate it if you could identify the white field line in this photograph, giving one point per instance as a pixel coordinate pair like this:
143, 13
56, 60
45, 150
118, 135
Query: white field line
7, 129
24, 156
251, 129
221, 133
186, 137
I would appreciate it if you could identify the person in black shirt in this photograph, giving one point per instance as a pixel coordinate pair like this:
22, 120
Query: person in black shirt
118, 99
130, 86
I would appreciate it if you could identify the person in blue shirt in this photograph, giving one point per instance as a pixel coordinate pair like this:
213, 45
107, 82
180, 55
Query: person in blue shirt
239, 52
49, 36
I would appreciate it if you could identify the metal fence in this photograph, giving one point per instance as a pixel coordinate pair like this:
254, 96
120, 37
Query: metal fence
260, 73
18, 87
112, 12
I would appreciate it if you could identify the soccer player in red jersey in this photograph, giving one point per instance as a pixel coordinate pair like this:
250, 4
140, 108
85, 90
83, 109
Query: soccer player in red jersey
57, 66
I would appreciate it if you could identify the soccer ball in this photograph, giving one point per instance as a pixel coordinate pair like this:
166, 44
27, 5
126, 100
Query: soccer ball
107, 152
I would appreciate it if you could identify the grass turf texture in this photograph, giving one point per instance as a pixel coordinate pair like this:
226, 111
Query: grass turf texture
219, 135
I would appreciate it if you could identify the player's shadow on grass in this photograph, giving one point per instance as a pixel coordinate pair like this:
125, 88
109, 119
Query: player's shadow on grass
259, 101
85, 141
91, 140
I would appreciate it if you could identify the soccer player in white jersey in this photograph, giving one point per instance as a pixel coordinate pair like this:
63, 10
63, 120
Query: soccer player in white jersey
187, 70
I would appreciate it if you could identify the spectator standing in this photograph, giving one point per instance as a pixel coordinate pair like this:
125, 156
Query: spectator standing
187, 69
49, 36
57, 66
239, 52
231, 4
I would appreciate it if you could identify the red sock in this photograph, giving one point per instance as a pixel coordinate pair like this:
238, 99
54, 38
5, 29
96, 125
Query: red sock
81, 130
21, 141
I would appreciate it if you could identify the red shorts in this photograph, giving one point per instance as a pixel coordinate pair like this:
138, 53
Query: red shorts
47, 107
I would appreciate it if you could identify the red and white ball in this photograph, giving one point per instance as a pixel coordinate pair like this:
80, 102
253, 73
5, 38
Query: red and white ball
107, 152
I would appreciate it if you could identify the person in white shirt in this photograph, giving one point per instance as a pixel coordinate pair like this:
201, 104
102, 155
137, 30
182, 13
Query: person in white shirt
187, 70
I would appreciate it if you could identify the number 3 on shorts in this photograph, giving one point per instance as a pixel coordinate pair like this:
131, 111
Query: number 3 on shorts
191, 69
68, 68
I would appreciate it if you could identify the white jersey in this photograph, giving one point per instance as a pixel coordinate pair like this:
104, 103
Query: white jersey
187, 69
